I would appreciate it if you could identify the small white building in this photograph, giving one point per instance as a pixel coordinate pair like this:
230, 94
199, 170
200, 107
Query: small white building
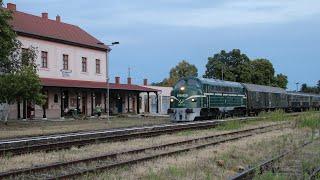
158, 103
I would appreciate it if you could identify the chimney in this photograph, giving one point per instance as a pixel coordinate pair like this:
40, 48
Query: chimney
129, 80
145, 82
117, 80
11, 7
45, 15
58, 18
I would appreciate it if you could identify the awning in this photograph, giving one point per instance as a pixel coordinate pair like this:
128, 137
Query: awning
50, 82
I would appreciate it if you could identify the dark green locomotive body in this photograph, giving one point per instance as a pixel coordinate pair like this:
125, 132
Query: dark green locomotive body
193, 98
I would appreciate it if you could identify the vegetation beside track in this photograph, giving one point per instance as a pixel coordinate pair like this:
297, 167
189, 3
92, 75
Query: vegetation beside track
202, 164
34, 128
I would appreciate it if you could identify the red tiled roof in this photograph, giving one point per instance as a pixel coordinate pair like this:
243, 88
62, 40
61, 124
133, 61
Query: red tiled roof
42, 28
50, 82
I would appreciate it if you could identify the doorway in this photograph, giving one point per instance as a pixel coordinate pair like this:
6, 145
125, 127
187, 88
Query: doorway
84, 103
119, 104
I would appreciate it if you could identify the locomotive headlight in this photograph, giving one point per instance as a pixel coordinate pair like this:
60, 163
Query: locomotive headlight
171, 100
182, 88
193, 100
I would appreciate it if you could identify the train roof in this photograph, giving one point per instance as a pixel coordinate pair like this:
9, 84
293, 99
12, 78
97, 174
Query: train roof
261, 88
217, 82
302, 94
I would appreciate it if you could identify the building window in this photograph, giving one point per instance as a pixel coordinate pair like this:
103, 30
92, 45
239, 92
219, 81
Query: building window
97, 66
65, 62
84, 64
44, 59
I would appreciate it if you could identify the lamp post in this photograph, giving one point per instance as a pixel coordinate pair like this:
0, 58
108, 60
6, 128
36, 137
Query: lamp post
108, 79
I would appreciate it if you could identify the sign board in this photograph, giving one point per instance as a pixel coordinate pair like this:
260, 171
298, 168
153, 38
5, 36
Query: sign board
66, 73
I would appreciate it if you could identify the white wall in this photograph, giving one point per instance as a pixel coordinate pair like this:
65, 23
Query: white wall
55, 54
164, 100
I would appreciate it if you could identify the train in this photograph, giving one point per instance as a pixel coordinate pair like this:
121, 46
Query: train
194, 98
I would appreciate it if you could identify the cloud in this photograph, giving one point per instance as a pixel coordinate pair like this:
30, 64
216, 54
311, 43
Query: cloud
212, 15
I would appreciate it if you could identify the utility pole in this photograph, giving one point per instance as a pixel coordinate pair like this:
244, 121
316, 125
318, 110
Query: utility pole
297, 83
222, 73
108, 79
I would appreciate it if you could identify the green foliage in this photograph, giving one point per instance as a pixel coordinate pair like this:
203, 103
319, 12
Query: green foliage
278, 115
309, 120
310, 89
263, 72
281, 80
183, 69
235, 66
9, 44
24, 84
228, 66
270, 176
230, 125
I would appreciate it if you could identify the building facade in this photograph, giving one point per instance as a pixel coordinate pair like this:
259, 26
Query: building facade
72, 66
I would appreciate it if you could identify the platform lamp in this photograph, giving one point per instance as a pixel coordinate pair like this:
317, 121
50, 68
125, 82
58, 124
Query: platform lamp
108, 79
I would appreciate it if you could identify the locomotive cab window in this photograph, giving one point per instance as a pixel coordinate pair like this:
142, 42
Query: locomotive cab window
180, 84
193, 82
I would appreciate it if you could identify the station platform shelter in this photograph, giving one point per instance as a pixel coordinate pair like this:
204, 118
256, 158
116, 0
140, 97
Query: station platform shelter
64, 95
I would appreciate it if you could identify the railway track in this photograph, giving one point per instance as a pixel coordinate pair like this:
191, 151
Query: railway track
63, 141
73, 169
289, 164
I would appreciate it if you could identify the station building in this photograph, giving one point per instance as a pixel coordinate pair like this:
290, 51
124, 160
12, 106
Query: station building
72, 66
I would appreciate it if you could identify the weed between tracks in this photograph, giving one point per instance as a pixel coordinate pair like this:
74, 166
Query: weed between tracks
296, 166
218, 162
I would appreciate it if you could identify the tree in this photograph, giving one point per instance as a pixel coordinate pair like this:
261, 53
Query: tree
263, 72
9, 60
281, 81
183, 69
235, 66
231, 66
318, 84
310, 89
304, 87
18, 76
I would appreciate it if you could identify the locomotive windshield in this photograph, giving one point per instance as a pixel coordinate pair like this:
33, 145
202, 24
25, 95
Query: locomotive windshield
190, 83
181, 83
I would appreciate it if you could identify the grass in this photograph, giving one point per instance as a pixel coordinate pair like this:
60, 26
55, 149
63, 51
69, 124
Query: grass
270, 176
231, 125
309, 120
202, 164
32, 128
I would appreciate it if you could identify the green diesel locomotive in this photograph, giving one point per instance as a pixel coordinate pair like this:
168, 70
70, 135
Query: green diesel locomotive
194, 98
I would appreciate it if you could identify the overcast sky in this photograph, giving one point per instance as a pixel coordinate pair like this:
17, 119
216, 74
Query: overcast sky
155, 35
